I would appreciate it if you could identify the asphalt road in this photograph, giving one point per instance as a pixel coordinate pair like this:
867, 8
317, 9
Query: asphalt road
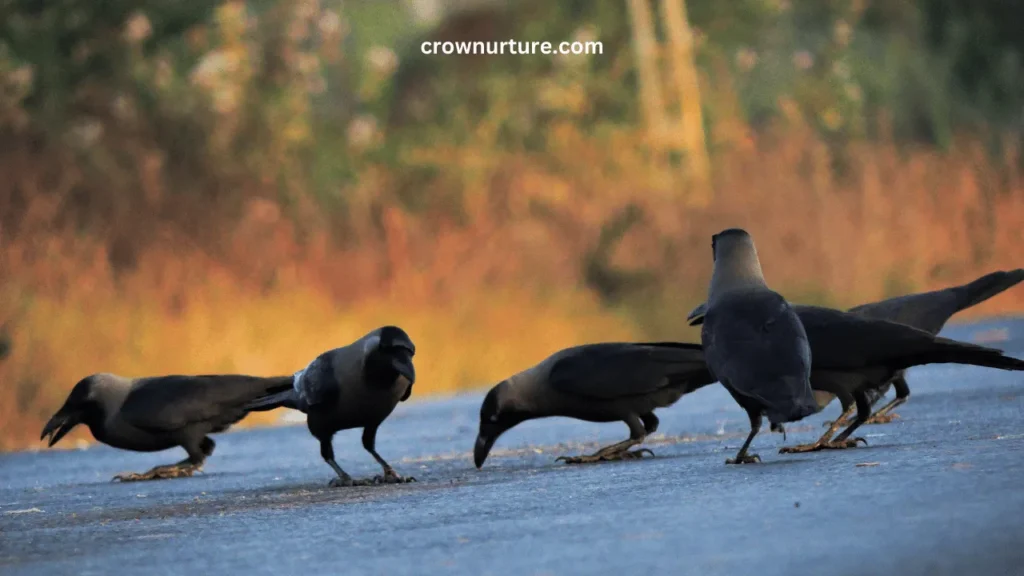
940, 491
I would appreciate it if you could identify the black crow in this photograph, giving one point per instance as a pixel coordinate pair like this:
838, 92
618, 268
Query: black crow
753, 342
151, 414
853, 355
928, 311
355, 386
606, 382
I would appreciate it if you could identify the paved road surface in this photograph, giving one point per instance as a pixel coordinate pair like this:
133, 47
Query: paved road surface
940, 492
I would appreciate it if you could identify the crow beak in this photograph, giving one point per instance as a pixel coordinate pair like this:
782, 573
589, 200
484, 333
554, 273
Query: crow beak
696, 316
482, 449
403, 365
59, 426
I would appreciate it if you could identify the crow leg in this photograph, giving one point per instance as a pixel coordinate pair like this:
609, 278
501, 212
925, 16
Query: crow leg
650, 423
755, 426
620, 450
343, 479
843, 420
884, 415
186, 468
881, 416
390, 476
863, 413
207, 445
857, 401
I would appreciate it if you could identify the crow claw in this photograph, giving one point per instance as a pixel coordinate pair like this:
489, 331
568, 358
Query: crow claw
818, 446
392, 477
158, 473
882, 418
744, 459
637, 454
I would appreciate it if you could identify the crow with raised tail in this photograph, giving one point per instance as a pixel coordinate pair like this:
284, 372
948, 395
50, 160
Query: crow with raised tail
355, 386
928, 311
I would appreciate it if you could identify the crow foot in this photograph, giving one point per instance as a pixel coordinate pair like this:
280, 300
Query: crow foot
392, 477
389, 477
347, 482
744, 459
833, 445
637, 454
882, 418
158, 473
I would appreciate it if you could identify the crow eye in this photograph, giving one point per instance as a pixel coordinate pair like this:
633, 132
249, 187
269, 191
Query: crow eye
494, 418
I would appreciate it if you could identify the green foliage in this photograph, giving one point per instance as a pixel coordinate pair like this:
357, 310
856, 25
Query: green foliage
297, 100
73, 45
911, 68
982, 42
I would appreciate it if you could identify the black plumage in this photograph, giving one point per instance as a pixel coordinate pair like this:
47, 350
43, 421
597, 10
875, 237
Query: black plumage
753, 341
928, 311
854, 355
157, 413
604, 382
355, 386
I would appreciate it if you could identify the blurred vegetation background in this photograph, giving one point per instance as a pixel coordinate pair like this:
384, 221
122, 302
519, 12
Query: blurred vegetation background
228, 186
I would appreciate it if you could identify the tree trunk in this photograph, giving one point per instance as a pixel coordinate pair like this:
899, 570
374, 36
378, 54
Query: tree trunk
684, 74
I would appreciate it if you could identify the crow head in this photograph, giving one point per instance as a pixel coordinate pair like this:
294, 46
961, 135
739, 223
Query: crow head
81, 407
497, 416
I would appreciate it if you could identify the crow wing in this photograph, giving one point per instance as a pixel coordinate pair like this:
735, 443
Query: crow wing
927, 311
620, 369
166, 403
930, 311
844, 341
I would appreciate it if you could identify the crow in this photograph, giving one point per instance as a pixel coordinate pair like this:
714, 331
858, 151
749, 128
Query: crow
603, 382
927, 311
156, 413
355, 386
854, 355
754, 343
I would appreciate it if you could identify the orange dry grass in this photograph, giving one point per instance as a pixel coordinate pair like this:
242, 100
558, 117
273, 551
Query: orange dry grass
896, 223
474, 341
891, 221
499, 292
